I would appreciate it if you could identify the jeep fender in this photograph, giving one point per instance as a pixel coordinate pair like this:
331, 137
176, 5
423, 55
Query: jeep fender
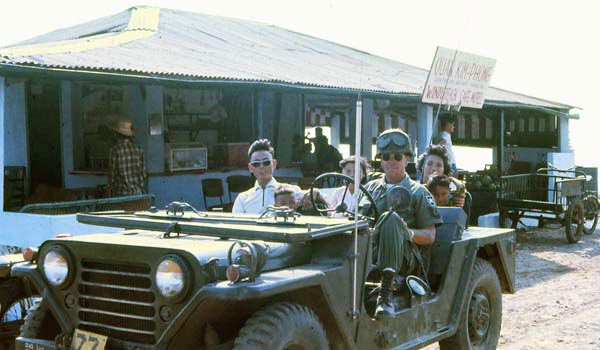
305, 284
31, 273
6, 262
501, 254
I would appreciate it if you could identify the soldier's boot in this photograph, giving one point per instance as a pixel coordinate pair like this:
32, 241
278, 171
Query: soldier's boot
385, 306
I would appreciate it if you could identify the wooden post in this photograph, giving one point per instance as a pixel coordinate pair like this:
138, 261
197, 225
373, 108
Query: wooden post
500, 148
2, 81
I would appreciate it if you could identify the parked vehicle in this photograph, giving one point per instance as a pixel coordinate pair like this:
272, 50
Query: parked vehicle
551, 196
182, 279
16, 299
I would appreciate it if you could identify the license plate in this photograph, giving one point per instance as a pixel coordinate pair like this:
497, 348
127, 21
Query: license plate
33, 344
83, 340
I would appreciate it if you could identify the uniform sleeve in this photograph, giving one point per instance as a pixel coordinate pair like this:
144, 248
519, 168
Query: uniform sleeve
425, 209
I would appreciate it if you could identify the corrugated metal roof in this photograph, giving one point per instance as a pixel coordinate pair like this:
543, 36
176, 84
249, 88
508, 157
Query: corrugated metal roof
199, 46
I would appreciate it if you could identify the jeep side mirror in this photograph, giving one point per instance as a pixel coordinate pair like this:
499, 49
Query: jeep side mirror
398, 198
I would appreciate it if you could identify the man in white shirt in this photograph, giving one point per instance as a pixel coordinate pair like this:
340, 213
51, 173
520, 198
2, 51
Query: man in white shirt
445, 139
262, 164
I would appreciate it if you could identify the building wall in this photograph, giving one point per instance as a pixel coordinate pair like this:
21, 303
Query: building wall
15, 124
23, 230
290, 124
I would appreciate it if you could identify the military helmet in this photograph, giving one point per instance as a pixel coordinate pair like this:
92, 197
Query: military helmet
394, 140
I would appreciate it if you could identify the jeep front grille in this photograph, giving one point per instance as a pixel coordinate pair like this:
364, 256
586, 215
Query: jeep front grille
117, 300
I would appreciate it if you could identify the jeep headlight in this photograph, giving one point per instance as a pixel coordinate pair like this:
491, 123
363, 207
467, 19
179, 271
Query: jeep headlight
56, 267
170, 277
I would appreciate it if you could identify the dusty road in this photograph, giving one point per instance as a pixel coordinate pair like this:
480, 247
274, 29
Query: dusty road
557, 303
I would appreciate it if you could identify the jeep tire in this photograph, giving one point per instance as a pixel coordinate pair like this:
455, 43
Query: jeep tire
11, 291
13, 307
282, 326
481, 316
39, 323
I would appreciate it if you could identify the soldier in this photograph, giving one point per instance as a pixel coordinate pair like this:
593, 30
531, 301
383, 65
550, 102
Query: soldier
398, 232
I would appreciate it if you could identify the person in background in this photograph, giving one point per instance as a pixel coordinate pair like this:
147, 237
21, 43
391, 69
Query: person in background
445, 140
340, 193
126, 167
435, 162
261, 164
398, 233
327, 156
439, 186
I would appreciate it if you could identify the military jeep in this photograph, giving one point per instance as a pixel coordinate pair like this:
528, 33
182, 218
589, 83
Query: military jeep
181, 279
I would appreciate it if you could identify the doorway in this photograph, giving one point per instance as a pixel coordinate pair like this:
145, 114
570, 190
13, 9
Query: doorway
43, 129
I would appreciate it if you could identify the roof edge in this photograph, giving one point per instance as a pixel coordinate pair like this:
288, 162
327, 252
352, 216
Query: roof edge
13, 70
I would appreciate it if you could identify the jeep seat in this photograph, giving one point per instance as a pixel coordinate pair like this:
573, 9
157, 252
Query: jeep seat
436, 256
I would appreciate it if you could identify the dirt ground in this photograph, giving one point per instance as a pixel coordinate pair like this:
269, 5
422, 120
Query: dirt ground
557, 303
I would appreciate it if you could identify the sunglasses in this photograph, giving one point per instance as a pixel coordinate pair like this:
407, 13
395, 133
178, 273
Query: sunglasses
261, 163
387, 155
398, 139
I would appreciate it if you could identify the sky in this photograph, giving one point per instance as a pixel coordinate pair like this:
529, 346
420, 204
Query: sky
546, 49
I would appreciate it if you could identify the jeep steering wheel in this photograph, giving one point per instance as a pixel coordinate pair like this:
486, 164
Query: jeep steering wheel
341, 208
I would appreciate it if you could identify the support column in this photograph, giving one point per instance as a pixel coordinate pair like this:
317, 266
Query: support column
563, 135
2, 99
368, 115
352, 128
154, 147
68, 141
424, 126
335, 131
500, 147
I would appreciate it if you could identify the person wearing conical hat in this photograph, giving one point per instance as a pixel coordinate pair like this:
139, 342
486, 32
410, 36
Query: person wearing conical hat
126, 167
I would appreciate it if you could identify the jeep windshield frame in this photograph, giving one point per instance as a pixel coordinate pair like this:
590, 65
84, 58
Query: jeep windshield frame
226, 225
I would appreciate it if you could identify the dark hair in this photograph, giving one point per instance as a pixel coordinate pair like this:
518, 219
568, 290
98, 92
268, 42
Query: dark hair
284, 189
434, 150
446, 119
363, 166
261, 145
438, 181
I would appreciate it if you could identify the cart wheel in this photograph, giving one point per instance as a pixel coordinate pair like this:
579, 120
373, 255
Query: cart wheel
590, 206
574, 221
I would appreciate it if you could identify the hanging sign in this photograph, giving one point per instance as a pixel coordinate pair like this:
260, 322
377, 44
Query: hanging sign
458, 79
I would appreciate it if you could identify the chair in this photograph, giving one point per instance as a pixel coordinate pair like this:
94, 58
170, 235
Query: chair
14, 187
212, 188
237, 184
467, 207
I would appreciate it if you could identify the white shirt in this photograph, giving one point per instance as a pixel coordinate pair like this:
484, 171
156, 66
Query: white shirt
446, 137
257, 199
336, 198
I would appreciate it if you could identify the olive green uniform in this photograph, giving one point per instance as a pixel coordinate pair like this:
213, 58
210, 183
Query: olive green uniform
394, 247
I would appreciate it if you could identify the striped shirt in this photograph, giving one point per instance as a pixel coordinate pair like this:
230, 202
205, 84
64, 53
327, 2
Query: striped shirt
127, 168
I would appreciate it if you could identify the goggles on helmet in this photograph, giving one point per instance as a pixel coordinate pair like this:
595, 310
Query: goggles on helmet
400, 140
